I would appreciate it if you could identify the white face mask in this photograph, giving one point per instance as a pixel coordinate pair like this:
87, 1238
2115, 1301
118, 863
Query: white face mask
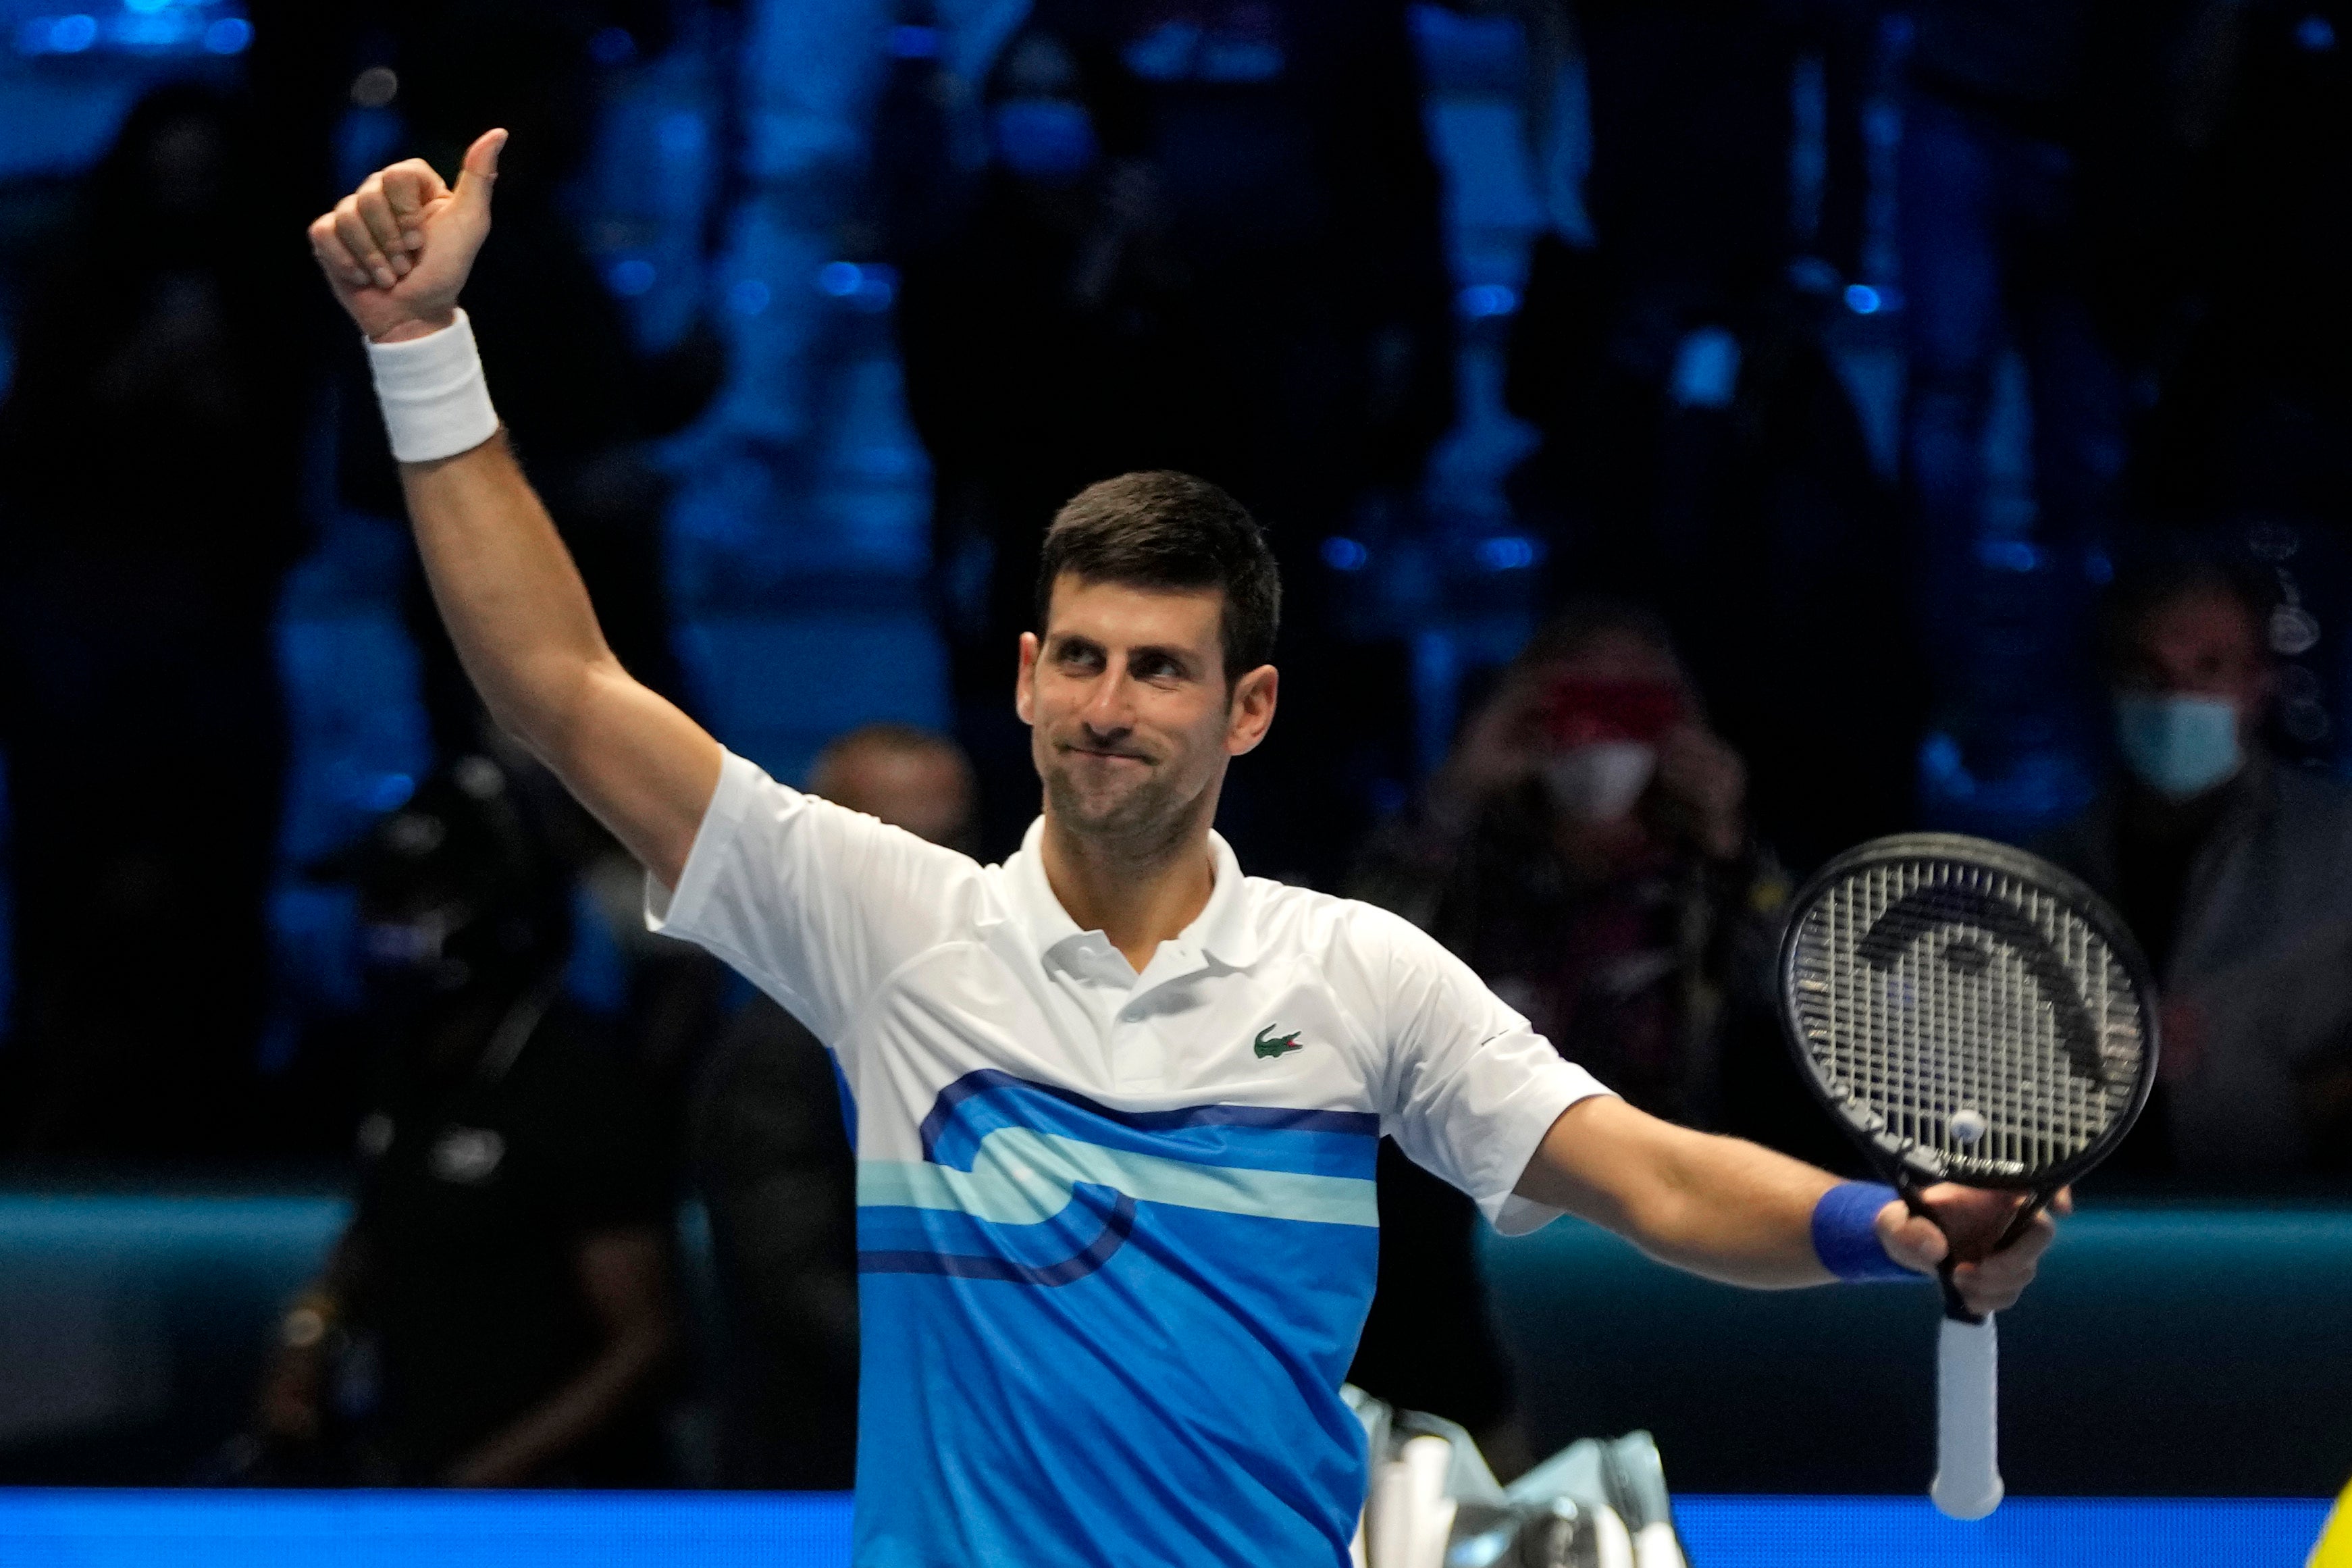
1601, 781
2177, 745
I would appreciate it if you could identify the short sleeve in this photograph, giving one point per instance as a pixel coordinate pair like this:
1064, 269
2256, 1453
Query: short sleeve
1472, 1088
814, 903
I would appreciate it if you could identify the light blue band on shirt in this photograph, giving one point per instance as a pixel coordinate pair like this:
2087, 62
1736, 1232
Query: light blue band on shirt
1020, 1176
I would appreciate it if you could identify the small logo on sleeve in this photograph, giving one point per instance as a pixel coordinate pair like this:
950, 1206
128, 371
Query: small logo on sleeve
1270, 1045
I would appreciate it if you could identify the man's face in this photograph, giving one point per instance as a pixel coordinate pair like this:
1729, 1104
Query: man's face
2200, 644
1131, 722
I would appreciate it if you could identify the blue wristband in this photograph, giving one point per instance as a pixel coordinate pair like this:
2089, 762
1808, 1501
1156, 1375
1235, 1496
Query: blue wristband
1845, 1234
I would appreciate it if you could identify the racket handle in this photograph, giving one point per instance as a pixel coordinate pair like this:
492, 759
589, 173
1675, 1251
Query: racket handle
1968, 1404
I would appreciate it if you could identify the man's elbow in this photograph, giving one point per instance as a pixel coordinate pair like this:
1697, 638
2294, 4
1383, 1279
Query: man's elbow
551, 713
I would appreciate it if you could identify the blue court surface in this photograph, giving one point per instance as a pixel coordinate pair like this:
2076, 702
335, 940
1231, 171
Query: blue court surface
380, 1529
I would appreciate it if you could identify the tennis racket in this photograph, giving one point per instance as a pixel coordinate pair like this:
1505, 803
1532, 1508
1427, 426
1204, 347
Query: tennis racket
1969, 1014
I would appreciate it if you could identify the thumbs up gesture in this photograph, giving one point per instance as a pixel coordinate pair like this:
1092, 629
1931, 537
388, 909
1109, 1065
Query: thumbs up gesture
398, 251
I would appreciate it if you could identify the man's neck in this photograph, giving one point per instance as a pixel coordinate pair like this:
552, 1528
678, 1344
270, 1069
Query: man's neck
1139, 898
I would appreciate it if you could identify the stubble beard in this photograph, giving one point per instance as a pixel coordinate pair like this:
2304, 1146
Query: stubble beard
1141, 825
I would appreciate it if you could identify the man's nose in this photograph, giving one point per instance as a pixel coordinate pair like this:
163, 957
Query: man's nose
1110, 709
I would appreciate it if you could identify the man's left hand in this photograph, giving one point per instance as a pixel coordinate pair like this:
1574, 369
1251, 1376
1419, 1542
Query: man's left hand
1968, 1222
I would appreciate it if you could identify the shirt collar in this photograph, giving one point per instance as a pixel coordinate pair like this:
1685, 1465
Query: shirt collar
1223, 932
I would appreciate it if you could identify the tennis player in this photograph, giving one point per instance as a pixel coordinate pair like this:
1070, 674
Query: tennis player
1115, 1103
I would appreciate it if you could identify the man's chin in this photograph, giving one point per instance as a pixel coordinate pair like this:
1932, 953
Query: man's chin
1104, 812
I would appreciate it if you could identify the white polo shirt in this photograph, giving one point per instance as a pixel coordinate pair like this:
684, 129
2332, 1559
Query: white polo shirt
1117, 1232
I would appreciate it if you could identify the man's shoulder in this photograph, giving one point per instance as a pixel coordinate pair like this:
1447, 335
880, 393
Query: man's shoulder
1345, 935
762, 815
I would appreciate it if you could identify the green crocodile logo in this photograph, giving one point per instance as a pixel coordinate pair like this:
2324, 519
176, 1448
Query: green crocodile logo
1270, 1045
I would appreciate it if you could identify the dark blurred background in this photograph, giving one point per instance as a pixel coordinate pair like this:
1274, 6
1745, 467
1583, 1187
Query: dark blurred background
1697, 435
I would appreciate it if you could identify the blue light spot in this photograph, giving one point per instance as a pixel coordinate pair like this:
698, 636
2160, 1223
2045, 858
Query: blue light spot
839, 279
2008, 555
749, 297
908, 42
229, 35
72, 35
2315, 35
389, 791
2098, 568
631, 277
144, 7
1343, 554
1481, 300
613, 47
681, 133
1507, 553
877, 289
1941, 763
1863, 300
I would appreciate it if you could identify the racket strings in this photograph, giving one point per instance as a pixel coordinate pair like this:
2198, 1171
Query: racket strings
1966, 1021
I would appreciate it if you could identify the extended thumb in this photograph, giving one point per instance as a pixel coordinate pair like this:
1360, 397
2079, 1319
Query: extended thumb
481, 168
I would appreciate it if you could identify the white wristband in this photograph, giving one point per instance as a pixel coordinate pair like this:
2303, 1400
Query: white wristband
435, 401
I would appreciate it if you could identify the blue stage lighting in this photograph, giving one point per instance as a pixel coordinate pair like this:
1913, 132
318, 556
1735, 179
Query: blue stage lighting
1343, 554
1482, 299
631, 277
1507, 553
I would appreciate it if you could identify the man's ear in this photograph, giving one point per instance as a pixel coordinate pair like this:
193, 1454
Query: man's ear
1025, 684
1251, 713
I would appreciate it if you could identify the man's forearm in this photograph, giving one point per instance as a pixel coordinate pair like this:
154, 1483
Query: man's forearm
519, 615
507, 591
1737, 1212
1718, 1206
1741, 1214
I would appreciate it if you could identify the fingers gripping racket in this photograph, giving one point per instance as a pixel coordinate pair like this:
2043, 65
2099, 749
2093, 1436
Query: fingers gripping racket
1973, 1015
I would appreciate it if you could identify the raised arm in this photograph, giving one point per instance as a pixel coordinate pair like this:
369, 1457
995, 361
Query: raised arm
397, 252
1735, 1212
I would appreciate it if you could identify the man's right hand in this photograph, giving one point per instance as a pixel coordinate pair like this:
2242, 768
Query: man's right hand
398, 251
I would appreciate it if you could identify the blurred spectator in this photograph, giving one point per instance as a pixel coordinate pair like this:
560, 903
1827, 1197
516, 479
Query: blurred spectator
2030, 216
499, 1311
775, 1163
2235, 872
1700, 451
150, 461
1206, 239
1586, 850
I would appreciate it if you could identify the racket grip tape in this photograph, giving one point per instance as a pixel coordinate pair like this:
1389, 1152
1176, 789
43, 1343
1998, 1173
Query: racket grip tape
1968, 1418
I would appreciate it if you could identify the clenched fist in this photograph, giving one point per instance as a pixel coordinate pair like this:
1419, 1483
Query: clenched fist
398, 251
1968, 1222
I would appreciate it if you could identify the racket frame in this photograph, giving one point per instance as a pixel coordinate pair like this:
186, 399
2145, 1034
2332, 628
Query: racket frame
2084, 904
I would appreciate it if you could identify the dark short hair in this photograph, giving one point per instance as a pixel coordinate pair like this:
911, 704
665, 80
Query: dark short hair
2147, 586
1173, 533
